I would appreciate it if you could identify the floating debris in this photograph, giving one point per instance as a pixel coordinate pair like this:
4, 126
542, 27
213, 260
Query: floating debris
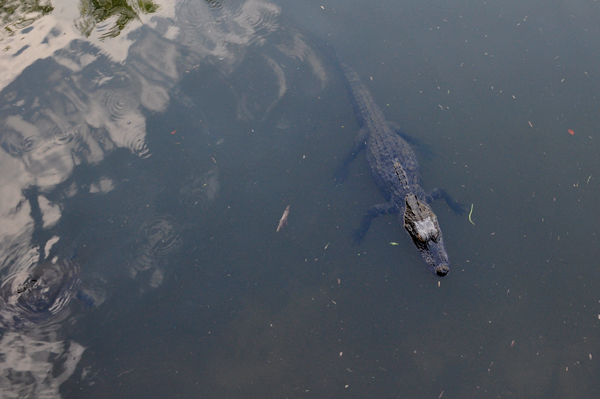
284, 218
470, 213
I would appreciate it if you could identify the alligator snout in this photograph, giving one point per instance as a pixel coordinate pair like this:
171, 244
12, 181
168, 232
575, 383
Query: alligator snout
442, 270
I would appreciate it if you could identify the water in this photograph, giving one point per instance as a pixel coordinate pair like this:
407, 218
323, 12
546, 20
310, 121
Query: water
157, 158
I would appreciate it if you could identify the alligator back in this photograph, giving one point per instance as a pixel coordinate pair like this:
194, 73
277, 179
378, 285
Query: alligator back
386, 150
395, 169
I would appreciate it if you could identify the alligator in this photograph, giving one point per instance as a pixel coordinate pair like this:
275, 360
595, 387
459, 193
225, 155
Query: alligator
395, 169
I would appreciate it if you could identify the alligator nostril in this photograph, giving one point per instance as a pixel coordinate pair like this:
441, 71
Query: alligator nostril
441, 271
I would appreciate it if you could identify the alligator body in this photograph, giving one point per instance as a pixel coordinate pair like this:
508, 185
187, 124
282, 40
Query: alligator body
395, 169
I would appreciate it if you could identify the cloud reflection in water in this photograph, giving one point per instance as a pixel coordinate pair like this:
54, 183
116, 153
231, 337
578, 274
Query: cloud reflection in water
68, 102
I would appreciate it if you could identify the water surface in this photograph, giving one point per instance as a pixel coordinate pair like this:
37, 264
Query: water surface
155, 146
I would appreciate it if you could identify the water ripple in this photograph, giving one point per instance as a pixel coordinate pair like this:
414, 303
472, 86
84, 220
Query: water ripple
126, 124
62, 135
157, 236
220, 31
118, 105
35, 294
161, 235
30, 143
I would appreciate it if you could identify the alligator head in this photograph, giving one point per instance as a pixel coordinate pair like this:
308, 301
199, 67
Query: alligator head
422, 226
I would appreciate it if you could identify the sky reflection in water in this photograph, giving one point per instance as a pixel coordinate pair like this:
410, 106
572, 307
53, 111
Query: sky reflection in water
147, 153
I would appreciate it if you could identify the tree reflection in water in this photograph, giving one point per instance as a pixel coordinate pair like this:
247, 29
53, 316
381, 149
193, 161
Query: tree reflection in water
19, 14
94, 12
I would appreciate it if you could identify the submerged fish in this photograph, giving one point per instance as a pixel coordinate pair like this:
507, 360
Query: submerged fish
284, 218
